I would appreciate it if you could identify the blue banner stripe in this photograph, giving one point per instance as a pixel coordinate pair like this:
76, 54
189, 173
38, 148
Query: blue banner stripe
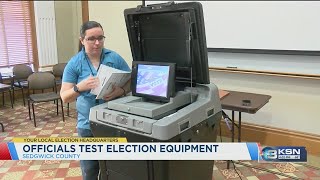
13, 151
253, 150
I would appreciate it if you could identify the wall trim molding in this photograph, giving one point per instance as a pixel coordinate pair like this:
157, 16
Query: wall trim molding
85, 11
272, 136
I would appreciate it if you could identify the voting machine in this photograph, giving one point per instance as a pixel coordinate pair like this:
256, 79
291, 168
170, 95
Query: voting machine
172, 98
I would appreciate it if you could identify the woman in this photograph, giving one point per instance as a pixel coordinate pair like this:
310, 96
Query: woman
79, 78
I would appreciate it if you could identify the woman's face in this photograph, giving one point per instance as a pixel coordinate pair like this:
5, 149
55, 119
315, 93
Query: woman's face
93, 41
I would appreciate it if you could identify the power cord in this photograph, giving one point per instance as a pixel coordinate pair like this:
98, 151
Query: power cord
227, 119
235, 169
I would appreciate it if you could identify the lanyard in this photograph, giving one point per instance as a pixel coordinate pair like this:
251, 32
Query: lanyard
97, 101
87, 59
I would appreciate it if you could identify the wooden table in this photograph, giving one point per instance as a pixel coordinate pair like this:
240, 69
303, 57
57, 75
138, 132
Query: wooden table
241, 102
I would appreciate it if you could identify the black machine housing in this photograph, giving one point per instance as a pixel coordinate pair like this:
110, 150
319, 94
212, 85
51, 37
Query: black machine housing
172, 33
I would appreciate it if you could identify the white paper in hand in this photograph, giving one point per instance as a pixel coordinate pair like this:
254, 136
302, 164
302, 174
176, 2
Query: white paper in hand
109, 77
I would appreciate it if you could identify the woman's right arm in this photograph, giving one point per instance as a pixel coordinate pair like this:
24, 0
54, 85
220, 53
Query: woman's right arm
69, 79
69, 95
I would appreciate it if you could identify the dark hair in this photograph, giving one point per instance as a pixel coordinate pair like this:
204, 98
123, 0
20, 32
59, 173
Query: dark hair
85, 26
88, 25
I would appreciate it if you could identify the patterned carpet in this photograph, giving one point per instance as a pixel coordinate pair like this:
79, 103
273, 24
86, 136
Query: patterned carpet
17, 124
252, 170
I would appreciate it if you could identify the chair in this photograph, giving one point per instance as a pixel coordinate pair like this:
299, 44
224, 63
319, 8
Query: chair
42, 81
21, 73
5, 88
57, 71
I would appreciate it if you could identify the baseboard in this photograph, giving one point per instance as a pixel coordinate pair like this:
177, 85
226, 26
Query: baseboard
271, 136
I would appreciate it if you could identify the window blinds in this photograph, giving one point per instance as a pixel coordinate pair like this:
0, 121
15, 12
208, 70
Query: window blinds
15, 33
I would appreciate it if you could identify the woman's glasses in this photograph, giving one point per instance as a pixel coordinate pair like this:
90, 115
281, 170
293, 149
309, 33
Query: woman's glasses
93, 39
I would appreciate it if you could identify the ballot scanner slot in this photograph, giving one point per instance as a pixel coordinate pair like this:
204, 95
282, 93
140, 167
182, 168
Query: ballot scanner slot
124, 120
184, 126
121, 127
148, 108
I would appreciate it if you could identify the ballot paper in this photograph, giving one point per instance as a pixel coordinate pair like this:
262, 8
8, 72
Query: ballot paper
108, 78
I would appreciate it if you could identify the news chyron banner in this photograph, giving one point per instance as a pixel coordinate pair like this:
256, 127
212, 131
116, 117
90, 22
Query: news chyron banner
119, 149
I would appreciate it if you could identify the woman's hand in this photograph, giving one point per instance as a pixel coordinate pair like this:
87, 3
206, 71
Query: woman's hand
116, 92
67, 93
88, 84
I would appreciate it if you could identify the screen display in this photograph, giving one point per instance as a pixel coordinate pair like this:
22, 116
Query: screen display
152, 80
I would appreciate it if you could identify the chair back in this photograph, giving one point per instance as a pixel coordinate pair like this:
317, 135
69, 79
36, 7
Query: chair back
58, 69
41, 80
21, 72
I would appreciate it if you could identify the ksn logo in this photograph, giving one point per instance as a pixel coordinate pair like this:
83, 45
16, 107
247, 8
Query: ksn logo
284, 154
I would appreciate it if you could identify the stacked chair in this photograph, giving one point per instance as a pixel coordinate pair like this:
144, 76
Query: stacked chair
21, 72
43, 81
57, 71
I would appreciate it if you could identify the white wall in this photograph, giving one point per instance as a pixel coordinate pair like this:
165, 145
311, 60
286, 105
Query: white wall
282, 25
68, 22
64, 37
294, 104
307, 65
45, 22
110, 15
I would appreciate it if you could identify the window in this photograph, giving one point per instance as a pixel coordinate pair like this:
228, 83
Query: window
16, 33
